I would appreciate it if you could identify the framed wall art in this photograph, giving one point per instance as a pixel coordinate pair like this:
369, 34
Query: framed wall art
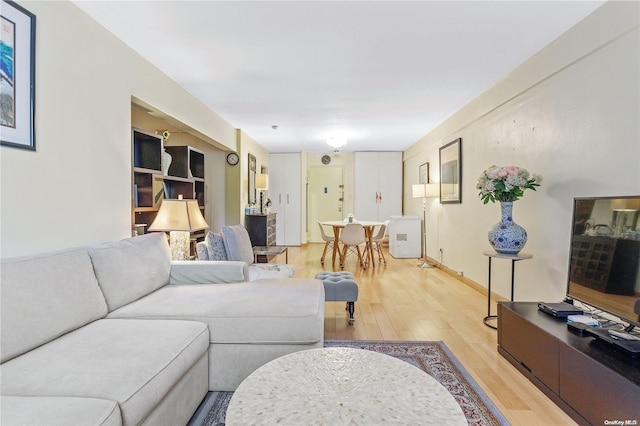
451, 172
252, 179
423, 173
17, 76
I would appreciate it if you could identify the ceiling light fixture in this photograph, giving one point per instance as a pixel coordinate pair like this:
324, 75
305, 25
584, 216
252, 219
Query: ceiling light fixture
336, 142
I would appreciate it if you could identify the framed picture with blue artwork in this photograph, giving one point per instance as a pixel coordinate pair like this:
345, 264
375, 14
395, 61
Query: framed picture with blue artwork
17, 76
451, 172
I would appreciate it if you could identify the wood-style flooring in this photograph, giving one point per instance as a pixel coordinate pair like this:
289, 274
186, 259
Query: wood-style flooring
400, 301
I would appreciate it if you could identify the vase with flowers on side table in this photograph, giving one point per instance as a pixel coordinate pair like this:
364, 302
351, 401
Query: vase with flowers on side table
506, 185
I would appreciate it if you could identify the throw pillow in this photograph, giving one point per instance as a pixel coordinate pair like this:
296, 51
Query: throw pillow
237, 243
215, 245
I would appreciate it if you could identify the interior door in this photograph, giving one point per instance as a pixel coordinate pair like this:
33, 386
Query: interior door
366, 188
326, 194
293, 200
389, 185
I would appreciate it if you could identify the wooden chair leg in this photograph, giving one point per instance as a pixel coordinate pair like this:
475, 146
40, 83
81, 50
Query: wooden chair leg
324, 253
343, 256
381, 253
360, 258
366, 251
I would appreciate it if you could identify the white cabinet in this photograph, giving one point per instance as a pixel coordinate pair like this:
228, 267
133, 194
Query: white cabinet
285, 191
405, 239
377, 185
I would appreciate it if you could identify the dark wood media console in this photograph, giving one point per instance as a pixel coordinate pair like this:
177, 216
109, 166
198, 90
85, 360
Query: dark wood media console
589, 380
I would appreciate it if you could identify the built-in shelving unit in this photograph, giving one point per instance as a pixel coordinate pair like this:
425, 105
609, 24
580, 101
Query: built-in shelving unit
185, 176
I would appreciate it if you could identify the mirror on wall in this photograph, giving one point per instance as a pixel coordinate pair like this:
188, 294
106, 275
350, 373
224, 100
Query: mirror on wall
252, 179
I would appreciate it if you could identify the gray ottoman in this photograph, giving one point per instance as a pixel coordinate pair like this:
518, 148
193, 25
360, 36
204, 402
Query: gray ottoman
340, 287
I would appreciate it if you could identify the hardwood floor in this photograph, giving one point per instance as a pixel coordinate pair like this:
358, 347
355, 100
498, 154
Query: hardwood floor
400, 301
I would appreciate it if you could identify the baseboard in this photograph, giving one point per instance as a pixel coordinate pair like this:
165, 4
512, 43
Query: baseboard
474, 285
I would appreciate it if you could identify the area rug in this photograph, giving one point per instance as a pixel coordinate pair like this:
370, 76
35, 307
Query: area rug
432, 357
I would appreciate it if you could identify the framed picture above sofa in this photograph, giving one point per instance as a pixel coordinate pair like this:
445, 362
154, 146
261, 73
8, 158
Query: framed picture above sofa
17, 67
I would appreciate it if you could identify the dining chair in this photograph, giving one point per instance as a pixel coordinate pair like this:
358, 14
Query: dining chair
328, 242
377, 241
351, 237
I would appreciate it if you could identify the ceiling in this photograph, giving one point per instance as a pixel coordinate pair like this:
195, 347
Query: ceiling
381, 74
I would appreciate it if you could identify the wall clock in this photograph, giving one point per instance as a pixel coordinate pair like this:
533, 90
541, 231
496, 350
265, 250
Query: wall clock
326, 159
232, 158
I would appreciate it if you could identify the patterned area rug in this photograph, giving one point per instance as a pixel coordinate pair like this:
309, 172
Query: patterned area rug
432, 357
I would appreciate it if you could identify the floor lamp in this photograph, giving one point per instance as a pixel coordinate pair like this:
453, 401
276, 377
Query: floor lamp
424, 191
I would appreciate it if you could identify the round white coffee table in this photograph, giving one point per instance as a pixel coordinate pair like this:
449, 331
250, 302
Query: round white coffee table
337, 386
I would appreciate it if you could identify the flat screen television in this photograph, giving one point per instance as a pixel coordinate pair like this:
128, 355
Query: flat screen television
604, 263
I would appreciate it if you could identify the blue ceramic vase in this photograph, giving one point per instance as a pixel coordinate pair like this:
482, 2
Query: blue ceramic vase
506, 236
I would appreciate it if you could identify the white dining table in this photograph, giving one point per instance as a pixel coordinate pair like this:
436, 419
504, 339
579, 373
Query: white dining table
368, 225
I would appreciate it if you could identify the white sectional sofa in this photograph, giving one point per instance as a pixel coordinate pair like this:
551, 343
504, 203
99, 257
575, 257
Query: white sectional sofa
118, 334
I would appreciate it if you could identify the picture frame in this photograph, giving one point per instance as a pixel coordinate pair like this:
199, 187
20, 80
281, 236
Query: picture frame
252, 179
423, 173
17, 75
451, 172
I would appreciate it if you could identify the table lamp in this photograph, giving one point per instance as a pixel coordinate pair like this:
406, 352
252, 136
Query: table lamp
623, 207
424, 191
262, 184
180, 218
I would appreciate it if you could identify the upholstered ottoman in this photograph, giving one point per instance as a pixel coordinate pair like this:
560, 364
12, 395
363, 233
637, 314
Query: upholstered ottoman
340, 287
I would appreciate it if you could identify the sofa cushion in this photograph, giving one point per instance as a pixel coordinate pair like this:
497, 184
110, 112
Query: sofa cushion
132, 268
133, 362
237, 243
279, 311
44, 297
215, 245
202, 251
58, 411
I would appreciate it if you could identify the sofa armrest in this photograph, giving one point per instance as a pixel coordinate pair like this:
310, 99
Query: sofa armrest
208, 272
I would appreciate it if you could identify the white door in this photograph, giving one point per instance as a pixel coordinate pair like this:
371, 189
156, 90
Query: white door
326, 193
293, 201
377, 185
286, 195
389, 185
277, 193
365, 181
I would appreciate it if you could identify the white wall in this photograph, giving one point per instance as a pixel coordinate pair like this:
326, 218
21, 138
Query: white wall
76, 188
570, 113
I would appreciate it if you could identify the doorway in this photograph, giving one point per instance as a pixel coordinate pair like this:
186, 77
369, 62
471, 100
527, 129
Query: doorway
326, 196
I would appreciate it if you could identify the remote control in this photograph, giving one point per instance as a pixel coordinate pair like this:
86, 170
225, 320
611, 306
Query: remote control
623, 336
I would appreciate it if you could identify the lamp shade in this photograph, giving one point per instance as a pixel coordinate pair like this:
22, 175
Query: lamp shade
426, 190
179, 215
262, 181
625, 204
